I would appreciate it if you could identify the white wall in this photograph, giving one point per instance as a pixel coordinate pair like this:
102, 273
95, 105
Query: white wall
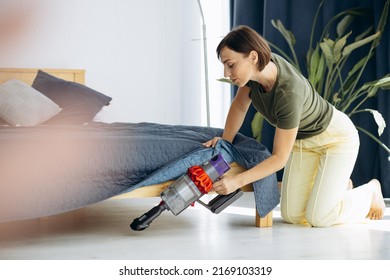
144, 54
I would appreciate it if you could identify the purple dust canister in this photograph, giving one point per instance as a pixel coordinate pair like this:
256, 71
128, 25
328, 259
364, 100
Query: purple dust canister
216, 167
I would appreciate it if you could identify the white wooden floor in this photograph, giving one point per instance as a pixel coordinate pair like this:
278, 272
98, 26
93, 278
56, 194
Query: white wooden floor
102, 231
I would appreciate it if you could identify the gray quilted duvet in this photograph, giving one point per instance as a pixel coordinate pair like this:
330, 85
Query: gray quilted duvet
47, 170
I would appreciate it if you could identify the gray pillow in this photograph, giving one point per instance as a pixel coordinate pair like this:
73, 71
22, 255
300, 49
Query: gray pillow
21, 105
79, 103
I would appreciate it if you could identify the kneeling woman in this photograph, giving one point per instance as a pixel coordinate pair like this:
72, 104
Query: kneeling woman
315, 143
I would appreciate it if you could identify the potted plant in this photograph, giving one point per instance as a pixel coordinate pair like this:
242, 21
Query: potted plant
326, 60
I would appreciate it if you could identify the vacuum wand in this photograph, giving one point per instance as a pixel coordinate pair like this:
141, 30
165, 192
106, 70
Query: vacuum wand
188, 189
144, 221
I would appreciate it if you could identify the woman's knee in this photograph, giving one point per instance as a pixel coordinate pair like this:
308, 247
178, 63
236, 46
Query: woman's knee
292, 217
312, 218
317, 220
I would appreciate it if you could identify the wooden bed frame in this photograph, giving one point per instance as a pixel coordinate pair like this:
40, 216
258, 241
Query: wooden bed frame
28, 75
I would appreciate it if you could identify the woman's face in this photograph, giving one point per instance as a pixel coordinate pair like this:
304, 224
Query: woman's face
238, 68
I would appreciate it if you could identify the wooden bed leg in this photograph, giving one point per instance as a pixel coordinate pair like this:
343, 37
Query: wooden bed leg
264, 222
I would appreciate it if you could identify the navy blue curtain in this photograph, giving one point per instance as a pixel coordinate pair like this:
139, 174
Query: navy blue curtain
297, 16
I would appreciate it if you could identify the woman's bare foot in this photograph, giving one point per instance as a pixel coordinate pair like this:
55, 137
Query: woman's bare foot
378, 206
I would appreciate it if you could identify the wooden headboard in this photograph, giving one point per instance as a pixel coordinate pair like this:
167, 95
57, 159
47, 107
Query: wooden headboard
28, 75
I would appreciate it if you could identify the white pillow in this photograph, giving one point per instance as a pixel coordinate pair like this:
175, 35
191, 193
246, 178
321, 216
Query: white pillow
22, 105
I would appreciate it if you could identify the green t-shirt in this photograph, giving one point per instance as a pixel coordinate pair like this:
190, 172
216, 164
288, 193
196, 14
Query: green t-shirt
292, 102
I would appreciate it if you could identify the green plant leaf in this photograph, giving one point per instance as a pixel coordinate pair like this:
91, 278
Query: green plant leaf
372, 91
290, 38
354, 12
225, 80
344, 24
338, 46
382, 23
348, 49
283, 54
364, 33
257, 126
316, 68
380, 121
354, 76
313, 58
359, 65
325, 62
320, 73
288, 35
327, 50
383, 83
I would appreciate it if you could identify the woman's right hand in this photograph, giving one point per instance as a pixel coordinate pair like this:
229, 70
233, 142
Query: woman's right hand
212, 142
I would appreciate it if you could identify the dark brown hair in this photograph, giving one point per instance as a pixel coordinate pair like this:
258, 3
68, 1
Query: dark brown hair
244, 39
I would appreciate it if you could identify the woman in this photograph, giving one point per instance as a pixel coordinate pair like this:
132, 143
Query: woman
315, 143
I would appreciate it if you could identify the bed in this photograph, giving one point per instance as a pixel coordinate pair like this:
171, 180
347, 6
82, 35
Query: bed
63, 160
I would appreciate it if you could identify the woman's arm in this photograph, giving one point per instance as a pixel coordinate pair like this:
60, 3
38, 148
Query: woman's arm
235, 117
283, 142
237, 113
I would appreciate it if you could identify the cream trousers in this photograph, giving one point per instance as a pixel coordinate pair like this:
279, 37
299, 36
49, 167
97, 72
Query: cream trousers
315, 180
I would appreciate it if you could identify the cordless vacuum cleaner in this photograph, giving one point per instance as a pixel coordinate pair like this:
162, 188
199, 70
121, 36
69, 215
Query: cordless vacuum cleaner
188, 189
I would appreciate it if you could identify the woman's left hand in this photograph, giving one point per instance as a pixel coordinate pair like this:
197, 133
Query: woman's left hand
212, 142
227, 184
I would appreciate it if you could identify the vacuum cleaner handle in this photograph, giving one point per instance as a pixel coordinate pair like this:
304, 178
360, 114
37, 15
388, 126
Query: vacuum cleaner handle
220, 202
144, 221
